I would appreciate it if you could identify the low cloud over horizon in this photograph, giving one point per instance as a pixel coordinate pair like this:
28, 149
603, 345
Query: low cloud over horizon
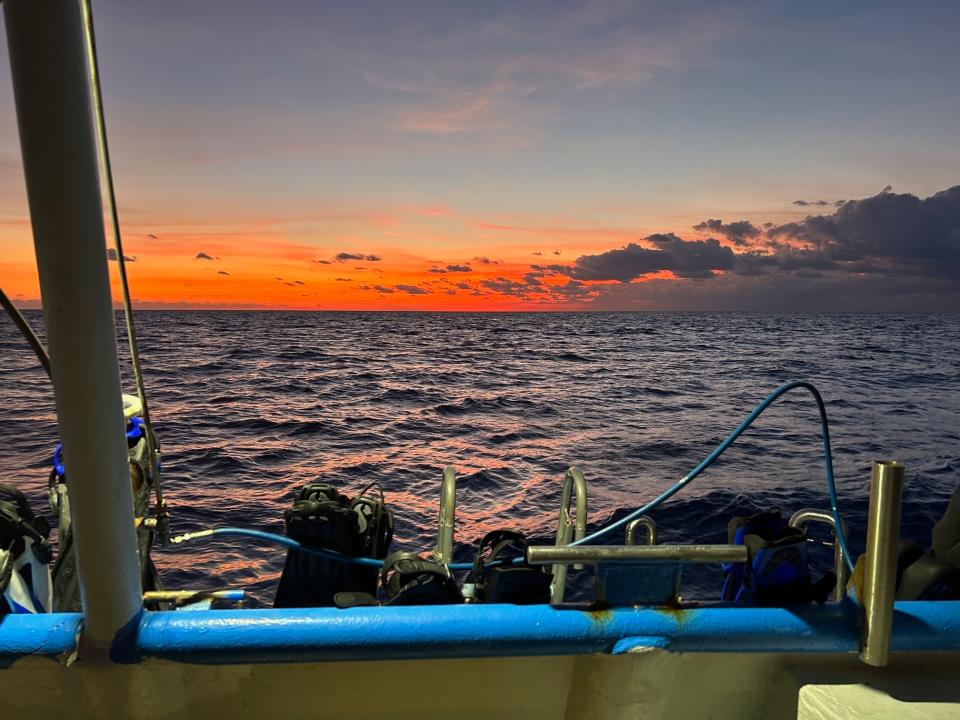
889, 251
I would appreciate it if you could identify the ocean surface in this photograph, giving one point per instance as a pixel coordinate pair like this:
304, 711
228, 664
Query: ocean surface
251, 405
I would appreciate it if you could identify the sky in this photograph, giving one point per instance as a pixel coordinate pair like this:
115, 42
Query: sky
525, 155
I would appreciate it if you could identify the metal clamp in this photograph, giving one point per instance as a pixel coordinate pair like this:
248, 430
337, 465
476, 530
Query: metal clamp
801, 518
646, 522
446, 520
568, 527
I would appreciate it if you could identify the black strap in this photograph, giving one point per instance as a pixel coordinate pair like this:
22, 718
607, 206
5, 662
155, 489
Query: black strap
23, 506
404, 562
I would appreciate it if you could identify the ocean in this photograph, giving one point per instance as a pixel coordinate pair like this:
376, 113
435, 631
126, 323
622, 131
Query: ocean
249, 406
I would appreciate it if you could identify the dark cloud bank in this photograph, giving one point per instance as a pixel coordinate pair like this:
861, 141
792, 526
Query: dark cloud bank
888, 252
891, 251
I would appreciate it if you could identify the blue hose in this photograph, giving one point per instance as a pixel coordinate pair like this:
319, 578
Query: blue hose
653, 504
722, 447
296, 545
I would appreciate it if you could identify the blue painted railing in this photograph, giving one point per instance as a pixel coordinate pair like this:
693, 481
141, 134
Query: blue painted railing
241, 636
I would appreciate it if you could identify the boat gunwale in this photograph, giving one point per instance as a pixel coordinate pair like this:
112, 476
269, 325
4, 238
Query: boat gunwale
465, 631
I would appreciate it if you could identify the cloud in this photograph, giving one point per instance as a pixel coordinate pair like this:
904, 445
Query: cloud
487, 261
739, 232
384, 290
888, 231
506, 286
684, 258
538, 254
516, 65
451, 269
551, 269
344, 256
152, 236
886, 252
323, 262
112, 256
223, 272
463, 285
299, 282
828, 203
412, 289
204, 256
344, 279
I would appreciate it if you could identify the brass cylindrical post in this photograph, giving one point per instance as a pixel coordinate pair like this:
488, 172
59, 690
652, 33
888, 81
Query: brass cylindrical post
880, 561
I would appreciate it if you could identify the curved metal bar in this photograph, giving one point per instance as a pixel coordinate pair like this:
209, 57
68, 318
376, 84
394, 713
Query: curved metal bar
646, 522
567, 527
801, 518
446, 520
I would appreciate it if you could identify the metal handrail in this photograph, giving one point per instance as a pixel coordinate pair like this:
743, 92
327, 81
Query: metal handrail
800, 519
566, 526
446, 519
593, 554
646, 522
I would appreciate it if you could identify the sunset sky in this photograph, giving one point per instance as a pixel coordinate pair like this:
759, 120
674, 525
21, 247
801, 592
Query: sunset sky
525, 155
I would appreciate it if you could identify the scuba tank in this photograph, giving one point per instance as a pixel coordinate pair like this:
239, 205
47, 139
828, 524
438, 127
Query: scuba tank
25, 554
777, 571
323, 517
66, 587
500, 579
409, 579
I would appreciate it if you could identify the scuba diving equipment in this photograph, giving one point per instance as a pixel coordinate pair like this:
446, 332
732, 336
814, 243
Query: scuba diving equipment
935, 575
25, 555
66, 588
409, 579
323, 517
501, 579
777, 570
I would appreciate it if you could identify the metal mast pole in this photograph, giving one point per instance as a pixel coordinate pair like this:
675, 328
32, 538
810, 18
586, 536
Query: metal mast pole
51, 83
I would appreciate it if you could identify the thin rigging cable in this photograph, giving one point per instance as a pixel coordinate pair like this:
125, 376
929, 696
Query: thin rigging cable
161, 509
24, 327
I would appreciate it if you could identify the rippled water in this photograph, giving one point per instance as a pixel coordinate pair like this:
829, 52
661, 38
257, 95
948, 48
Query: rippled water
251, 405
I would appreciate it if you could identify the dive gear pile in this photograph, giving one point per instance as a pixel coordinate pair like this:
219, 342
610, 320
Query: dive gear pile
25, 556
66, 587
321, 516
501, 579
777, 570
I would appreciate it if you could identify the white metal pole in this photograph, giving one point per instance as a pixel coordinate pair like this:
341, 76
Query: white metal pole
51, 83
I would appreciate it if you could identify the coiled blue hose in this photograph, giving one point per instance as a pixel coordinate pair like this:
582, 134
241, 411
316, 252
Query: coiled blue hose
653, 504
